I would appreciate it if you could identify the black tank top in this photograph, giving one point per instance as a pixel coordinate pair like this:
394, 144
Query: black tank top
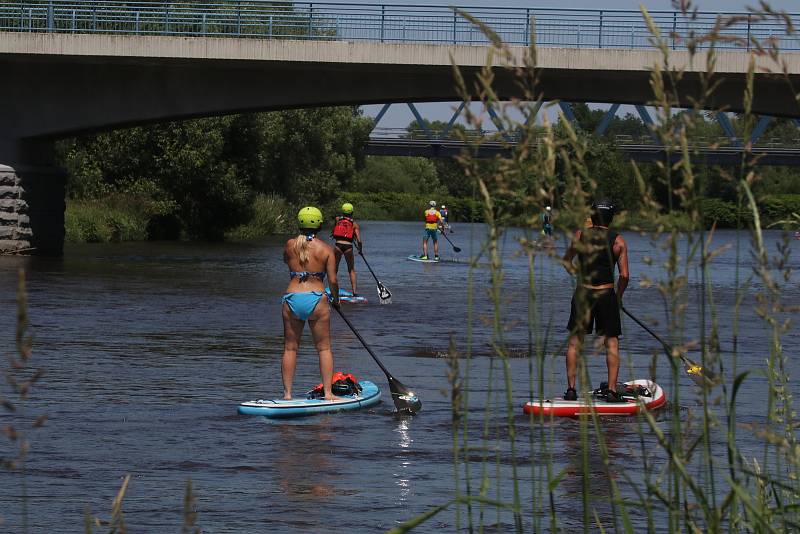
596, 256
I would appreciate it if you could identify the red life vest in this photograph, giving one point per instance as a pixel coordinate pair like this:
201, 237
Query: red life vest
344, 228
431, 217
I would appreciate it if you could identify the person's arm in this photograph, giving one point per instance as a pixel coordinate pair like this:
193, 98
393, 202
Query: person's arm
570, 254
621, 252
441, 221
333, 283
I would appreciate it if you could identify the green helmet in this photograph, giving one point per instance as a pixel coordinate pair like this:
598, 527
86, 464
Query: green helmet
347, 208
309, 218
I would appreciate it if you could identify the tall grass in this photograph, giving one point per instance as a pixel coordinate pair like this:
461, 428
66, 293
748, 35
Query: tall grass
685, 483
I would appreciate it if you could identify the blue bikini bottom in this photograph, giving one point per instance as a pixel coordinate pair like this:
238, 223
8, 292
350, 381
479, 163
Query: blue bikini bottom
302, 304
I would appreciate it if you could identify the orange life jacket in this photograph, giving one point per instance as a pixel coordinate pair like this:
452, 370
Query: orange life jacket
431, 217
344, 228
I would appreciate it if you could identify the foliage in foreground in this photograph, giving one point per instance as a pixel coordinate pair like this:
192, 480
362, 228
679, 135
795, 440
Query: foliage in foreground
691, 473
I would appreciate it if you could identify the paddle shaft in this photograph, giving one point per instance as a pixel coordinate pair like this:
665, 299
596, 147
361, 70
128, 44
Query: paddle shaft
667, 347
361, 339
368, 267
451, 243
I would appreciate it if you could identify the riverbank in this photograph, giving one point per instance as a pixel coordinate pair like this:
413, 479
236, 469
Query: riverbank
131, 218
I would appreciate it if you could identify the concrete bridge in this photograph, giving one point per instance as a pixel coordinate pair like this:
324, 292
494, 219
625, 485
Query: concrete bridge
88, 66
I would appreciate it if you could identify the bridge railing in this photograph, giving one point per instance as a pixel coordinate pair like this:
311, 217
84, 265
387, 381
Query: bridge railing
420, 136
573, 28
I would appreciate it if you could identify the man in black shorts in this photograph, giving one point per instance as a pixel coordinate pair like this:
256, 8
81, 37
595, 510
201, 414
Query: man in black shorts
595, 304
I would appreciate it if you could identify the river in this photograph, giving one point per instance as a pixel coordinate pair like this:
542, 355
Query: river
147, 348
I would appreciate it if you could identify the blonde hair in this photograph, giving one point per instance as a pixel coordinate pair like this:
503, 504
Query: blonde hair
301, 248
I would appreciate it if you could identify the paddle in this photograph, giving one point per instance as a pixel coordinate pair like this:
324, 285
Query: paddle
695, 371
384, 294
448, 240
404, 399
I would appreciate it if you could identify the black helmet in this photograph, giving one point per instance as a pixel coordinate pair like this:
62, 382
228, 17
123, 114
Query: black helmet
603, 212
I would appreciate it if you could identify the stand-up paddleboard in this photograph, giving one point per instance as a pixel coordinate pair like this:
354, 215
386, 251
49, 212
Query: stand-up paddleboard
280, 409
415, 257
347, 296
649, 393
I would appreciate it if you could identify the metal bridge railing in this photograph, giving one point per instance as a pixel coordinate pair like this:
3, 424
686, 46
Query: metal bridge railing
574, 28
418, 135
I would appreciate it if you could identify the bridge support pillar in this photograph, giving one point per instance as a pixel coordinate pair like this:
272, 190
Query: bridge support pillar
31, 207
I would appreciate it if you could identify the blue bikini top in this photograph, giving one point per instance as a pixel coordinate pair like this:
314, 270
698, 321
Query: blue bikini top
303, 275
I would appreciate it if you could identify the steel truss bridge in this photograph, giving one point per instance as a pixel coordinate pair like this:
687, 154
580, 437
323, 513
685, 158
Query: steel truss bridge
422, 141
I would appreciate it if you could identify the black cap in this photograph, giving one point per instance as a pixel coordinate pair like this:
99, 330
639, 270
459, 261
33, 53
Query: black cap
603, 211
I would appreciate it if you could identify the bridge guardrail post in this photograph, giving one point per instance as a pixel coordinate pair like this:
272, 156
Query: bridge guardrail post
310, 21
455, 22
600, 31
383, 19
674, 28
527, 27
50, 17
238, 18
749, 19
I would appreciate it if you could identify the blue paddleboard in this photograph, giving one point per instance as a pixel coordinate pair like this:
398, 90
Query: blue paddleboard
414, 257
347, 296
281, 409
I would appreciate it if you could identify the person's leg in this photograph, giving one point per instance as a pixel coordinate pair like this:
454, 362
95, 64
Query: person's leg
349, 257
425, 245
573, 352
436, 246
338, 253
320, 324
612, 361
292, 331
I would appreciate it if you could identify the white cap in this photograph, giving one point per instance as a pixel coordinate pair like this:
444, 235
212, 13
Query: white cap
432, 203
548, 208
443, 206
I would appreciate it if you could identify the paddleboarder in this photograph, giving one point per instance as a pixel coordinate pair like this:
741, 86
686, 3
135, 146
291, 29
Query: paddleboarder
596, 303
346, 232
547, 222
433, 223
445, 219
309, 260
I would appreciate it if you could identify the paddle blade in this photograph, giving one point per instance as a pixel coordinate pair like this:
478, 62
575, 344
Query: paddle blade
457, 249
384, 294
405, 400
702, 376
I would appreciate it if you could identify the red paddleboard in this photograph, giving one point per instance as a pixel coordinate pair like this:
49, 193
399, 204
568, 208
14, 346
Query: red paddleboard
649, 393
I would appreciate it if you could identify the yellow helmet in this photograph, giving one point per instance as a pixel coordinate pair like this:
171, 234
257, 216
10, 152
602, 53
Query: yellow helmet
347, 208
309, 218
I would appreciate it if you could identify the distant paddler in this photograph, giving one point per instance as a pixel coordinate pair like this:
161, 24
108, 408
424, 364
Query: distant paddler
547, 222
346, 232
445, 219
309, 260
595, 303
433, 224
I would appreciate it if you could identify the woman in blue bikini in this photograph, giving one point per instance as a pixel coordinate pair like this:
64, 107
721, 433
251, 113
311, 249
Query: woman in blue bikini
309, 260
